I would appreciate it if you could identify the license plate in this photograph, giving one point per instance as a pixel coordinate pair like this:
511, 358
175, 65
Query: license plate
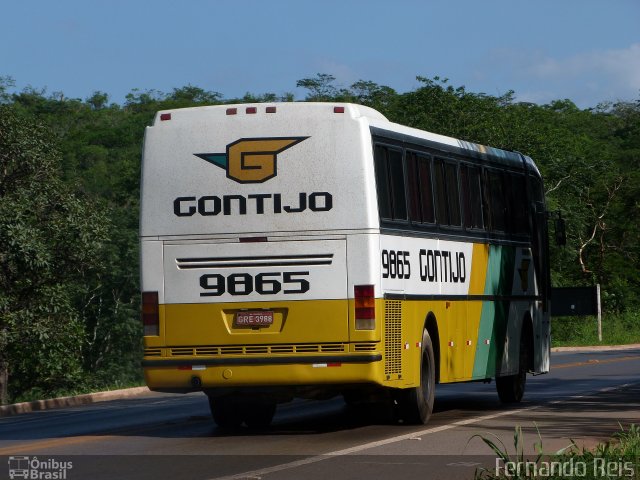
254, 319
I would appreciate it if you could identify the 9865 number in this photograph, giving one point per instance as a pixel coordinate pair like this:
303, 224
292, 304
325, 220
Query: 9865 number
395, 264
269, 283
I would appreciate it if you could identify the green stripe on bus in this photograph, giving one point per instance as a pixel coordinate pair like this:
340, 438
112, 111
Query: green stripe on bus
495, 314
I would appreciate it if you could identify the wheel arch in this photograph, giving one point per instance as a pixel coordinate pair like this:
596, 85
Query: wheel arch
431, 326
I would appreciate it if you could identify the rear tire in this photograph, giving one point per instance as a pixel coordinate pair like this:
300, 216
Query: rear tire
511, 388
229, 412
259, 414
416, 404
226, 412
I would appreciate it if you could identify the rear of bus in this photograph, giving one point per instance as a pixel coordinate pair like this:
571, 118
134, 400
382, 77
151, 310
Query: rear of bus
259, 252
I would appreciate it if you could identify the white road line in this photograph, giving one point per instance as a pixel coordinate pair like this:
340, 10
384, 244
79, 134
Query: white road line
257, 474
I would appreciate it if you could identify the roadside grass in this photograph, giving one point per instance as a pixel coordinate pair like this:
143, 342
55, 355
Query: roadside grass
617, 329
36, 394
619, 458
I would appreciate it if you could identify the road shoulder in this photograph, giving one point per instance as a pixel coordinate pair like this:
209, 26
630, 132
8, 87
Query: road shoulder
71, 401
597, 348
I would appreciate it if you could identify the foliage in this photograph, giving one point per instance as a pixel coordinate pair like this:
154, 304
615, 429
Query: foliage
617, 458
617, 329
50, 245
69, 189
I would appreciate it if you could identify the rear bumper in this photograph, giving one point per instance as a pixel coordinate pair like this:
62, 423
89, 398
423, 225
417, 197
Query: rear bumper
263, 361
263, 371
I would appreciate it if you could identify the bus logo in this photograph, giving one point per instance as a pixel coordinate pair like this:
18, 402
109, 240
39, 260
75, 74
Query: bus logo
19, 467
251, 160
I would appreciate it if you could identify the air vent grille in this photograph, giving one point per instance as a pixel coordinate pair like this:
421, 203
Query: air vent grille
365, 347
223, 350
393, 337
254, 261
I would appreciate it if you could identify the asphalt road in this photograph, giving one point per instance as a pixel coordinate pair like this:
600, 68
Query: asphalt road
158, 436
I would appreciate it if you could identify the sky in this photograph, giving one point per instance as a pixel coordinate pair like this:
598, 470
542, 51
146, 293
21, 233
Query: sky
585, 50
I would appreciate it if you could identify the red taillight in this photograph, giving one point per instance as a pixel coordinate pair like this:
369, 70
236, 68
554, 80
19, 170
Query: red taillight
365, 304
232, 111
150, 313
271, 109
252, 110
165, 116
338, 109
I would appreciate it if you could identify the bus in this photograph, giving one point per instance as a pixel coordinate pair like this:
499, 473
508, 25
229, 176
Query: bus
309, 250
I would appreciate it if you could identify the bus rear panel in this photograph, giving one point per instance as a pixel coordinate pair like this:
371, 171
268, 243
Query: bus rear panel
248, 223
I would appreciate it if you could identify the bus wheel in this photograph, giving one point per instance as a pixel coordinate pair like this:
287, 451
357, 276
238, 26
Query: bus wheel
259, 414
416, 404
511, 388
226, 412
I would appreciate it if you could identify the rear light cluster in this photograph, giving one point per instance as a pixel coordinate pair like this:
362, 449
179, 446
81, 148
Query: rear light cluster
250, 110
365, 303
271, 109
150, 313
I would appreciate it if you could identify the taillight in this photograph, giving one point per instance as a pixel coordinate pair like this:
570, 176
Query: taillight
365, 307
150, 313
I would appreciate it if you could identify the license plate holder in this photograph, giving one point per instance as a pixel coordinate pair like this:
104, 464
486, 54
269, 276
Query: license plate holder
253, 319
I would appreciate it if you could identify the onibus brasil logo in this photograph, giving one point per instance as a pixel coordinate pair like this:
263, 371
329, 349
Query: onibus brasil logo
34, 469
251, 160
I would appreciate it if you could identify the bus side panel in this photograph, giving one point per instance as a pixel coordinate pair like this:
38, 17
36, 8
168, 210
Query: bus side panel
478, 331
510, 282
494, 317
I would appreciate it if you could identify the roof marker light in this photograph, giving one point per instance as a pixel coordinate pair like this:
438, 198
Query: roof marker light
232, 111
271, 109
338, 109
165, 116
252, 110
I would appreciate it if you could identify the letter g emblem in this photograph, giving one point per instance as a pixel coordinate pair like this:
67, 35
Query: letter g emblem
252, 160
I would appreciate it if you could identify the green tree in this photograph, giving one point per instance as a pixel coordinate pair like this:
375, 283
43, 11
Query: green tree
321, 88
50, 244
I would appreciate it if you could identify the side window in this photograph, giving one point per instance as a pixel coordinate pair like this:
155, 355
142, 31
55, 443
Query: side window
390, 183
453, 194
471, 196
497, 206
420, 193
382, 175
447, 193
396, 175
517, 201
440, 191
